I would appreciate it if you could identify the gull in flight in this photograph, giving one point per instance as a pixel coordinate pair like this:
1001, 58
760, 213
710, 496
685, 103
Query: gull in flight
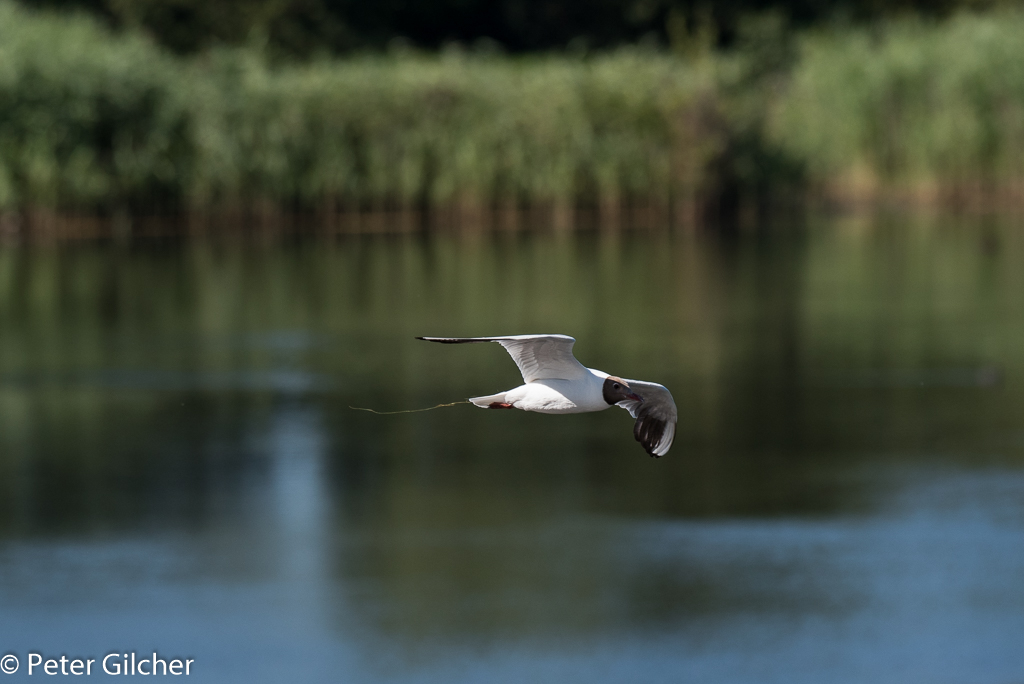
555, 382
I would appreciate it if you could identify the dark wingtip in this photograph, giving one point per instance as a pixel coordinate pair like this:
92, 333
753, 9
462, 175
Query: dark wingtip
648, 431
455, 340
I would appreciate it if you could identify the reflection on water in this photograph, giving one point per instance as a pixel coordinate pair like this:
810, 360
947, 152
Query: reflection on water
180, 471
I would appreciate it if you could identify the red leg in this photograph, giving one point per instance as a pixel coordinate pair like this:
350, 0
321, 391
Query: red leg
499, 405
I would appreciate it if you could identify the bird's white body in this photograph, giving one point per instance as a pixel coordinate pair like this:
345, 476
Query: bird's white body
581, 395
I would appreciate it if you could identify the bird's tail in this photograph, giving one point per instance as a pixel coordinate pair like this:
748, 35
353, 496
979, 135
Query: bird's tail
485, 402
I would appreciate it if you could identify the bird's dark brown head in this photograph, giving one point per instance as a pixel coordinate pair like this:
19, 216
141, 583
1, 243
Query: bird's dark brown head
616, 390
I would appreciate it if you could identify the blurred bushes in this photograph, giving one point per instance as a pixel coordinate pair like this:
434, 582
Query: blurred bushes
918, 110
301, 28
86, 119
91, 121
434, 132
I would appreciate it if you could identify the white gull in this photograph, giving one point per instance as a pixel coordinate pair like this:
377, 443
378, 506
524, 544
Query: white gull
555, 382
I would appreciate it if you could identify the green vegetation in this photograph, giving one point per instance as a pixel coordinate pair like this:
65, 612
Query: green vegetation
89, 119
926, 110
110, 123
300, 28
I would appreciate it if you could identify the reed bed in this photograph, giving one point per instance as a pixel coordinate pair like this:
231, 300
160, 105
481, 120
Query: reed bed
920, 111
111, 125
450, 132
93, 121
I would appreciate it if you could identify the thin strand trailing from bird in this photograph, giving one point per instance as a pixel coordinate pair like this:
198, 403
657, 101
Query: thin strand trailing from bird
391, 413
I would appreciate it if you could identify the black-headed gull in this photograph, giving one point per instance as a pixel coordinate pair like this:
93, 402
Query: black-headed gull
557, 383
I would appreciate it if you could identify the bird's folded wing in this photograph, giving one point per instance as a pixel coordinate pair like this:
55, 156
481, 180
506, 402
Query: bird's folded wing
539, 357
656, 416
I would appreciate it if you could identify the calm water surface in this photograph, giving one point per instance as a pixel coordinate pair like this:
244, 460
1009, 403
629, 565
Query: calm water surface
180, 470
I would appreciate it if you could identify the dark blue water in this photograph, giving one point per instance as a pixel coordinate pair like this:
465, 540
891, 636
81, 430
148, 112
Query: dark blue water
180, 471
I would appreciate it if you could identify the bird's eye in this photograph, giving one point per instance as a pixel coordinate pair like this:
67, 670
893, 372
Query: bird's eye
617, 386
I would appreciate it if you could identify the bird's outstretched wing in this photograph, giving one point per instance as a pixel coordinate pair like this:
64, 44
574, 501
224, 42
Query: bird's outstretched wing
656, 417
539, 357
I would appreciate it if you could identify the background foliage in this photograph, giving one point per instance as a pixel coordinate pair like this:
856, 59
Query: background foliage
303, 27
97, 120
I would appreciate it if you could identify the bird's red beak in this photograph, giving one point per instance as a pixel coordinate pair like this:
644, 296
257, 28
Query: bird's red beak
635, 397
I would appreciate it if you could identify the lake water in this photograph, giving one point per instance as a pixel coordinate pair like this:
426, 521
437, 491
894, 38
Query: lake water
180, 470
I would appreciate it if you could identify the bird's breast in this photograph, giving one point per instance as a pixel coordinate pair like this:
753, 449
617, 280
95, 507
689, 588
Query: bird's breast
558, 396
